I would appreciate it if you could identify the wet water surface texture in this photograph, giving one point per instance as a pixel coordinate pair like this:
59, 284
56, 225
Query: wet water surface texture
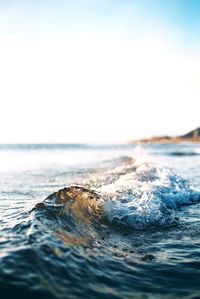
83, 221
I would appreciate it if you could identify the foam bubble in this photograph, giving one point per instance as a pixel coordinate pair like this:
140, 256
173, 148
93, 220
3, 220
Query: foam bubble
148, 195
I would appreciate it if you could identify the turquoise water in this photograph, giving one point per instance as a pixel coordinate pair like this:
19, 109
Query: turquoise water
125, 225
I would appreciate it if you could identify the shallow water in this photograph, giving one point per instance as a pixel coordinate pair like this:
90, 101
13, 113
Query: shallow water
127, 226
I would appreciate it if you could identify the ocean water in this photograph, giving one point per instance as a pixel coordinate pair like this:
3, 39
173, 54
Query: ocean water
92, 221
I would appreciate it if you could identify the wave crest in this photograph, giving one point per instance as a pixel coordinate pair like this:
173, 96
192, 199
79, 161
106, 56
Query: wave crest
134, 195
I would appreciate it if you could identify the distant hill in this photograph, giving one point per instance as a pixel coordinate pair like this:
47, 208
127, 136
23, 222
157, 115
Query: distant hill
192, 136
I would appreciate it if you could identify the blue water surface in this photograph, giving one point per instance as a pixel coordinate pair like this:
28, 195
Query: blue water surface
127, 226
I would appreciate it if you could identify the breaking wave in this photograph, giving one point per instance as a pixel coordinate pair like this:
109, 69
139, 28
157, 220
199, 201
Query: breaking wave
134, 195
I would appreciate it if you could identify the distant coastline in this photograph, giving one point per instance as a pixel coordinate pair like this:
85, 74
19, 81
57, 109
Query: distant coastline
192, 136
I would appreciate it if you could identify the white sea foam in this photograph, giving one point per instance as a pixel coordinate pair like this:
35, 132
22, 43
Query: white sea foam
149, 194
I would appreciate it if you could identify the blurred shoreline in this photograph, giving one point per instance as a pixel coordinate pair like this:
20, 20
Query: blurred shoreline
190, 137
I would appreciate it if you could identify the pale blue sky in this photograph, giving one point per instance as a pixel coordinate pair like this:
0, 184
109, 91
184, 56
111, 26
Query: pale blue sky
98, 71
184, 13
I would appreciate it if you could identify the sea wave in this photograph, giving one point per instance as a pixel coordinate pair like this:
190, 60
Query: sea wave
184, 153
134, 195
